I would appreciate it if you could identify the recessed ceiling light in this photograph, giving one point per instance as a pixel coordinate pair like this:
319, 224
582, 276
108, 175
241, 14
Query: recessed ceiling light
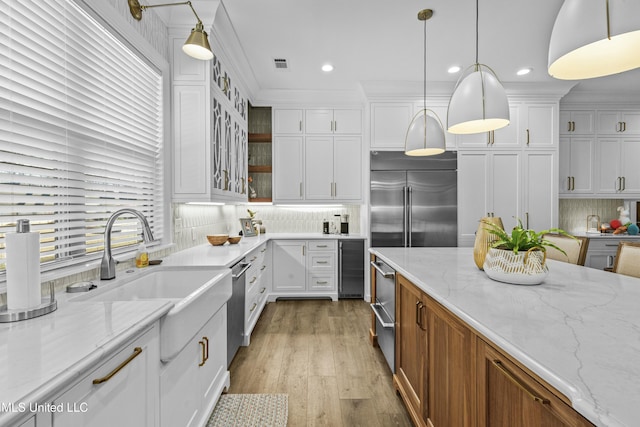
454, 69
327, 67
524, 71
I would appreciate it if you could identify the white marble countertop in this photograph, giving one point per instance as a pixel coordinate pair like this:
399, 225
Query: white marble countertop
608, 236
38, 356
579, 330
226, 255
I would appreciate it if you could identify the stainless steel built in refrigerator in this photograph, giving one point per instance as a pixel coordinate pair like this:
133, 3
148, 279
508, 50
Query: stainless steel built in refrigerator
414, 200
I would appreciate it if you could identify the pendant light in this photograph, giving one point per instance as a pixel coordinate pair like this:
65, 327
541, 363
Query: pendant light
595, 38
197, 44
425, 136
479, 102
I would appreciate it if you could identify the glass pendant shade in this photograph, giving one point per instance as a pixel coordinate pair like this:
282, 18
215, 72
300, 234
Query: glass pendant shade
425, 136
589, 40
197, 45
479, 103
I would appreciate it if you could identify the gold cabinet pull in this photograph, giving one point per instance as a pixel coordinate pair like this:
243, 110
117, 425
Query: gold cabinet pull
226, 179
136, 352
262, 290
206, 340
253, 307
518, 384
263, 267
253, 279
202, 344
568, 183
573, 183
243, 188
528, 137
624, 183
488, 138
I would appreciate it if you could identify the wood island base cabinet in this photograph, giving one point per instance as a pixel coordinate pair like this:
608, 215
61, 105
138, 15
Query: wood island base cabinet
450, 375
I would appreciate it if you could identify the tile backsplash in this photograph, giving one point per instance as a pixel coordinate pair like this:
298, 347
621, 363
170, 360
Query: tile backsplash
193, 222
573, 212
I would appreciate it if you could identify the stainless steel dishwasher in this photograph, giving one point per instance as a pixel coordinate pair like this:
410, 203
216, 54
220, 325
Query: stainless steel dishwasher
235, 309
385, 310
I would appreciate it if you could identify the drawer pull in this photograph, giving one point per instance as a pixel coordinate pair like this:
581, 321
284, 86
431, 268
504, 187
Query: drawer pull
253, 307
253, 280
323, 262
136, 352
254, 258
518, 384
263, 250
321, 246
206, 344
263, 267
262, 290
322, 282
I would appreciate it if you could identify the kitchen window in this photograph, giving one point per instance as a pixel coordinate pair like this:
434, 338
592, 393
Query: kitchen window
81, 131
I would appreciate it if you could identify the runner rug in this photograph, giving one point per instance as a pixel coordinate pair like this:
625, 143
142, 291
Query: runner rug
249, 410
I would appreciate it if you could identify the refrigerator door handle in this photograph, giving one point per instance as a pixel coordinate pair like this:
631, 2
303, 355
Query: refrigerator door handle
409, 215
405, 191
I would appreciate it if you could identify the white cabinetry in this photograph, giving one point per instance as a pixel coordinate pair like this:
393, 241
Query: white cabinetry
618, 122
257, 286
539, 125
210, 131
577, 122
191, 383
489, 184
539, 204
576, 165
389, 124
304, 268
340, 121
288, 167
287, 121
318, 168
333, 170
618, 171
122, 391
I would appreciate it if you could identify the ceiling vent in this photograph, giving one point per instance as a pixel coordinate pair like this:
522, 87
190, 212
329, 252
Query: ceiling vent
280, 64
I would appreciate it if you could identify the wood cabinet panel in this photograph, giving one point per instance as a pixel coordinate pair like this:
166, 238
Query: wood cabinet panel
411, 342
508, 396
451, 371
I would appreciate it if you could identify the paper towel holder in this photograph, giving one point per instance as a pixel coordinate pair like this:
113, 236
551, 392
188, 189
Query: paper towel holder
49, 304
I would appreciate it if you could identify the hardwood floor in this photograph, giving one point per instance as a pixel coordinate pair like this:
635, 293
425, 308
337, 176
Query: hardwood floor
319, 353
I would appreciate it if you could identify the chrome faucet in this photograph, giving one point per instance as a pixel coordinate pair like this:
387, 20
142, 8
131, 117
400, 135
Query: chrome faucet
108, 264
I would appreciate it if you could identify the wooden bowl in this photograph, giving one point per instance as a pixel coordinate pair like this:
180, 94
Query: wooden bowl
234, 239
218, 239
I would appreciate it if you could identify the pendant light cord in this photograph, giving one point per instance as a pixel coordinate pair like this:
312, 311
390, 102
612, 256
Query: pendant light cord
477, 31
424, 67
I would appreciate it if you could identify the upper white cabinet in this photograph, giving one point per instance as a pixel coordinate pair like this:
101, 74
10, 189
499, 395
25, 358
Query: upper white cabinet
598, 153
577, 122
576, 165
389, 124
323, 163
618, 171
333, 170
288, 168
538, 125
209, 131
338, 121
618, 122
539, 190
287, 121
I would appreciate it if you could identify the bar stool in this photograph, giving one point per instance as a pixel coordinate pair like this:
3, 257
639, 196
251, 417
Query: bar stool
628, 259
575, 248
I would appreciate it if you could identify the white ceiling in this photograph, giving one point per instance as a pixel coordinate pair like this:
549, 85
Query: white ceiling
382, 41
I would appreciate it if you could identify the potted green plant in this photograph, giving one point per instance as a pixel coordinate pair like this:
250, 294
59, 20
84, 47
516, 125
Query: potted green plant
519, 257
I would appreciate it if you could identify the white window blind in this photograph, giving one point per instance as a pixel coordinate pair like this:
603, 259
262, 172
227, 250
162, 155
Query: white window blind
80, 131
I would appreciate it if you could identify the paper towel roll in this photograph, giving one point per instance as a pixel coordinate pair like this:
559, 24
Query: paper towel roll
23, 270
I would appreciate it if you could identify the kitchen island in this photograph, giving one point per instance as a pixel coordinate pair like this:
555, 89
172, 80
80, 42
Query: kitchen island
579, 330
